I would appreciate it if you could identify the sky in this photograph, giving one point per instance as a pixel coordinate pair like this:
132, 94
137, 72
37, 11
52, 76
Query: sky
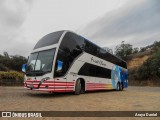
104, 22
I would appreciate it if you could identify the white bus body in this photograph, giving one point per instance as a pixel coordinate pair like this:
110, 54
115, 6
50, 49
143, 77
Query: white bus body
66, 62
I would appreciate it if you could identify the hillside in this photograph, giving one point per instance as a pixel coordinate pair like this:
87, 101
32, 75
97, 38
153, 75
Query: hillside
138, 61
144, 66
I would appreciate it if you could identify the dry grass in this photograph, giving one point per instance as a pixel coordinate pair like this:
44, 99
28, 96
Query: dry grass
136, 62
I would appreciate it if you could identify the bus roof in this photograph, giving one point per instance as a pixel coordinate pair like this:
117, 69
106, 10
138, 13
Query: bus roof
53, 38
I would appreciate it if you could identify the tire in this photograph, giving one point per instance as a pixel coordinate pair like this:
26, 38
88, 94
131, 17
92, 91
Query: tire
78, 87
119, 86
82, 91
82, 87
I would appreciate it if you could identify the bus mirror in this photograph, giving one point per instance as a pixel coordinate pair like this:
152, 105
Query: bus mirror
24, 68
59, 66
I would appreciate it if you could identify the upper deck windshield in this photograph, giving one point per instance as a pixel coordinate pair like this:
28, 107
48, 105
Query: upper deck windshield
40, 63
49, 39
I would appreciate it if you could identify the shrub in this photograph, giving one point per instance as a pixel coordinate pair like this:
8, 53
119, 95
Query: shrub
11, 75
148, 73
151, 68
11, 78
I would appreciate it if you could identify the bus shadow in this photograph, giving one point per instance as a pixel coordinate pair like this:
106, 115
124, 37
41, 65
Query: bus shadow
64, 94
102, 91
49, 95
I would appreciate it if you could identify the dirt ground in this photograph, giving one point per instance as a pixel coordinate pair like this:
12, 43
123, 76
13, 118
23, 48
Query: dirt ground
131, 99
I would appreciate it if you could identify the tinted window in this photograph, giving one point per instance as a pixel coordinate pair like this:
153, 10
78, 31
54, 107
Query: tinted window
103, 72
88, 70
90, 48
71, 46
103, 54
49, 39
94, 71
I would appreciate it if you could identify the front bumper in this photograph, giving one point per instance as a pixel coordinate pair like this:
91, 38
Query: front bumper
49, 86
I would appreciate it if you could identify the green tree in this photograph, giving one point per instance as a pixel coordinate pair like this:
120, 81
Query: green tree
135, 50
123, 50
11, 63
6, 54
17, 62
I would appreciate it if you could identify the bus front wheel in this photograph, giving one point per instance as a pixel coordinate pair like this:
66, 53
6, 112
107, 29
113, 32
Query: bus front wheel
78, 87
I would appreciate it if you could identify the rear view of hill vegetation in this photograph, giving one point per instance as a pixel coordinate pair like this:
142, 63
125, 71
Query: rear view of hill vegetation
143, 64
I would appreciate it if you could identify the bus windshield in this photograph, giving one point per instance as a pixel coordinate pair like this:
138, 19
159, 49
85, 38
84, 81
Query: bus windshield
40, 63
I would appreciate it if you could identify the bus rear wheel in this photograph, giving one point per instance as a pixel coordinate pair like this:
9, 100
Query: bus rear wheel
78, 87
119, 86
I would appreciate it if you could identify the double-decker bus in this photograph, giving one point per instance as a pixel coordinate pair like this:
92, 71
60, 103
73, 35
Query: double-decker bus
64, 61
